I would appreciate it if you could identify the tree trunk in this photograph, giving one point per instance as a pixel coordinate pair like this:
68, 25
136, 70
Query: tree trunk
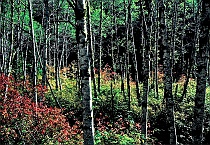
128, 23
146, 63
136, 68
34, 52
90, 47
100, 47
56, 57
44, 61
167, 75
12, 51
202, 61
156, 49
81, 31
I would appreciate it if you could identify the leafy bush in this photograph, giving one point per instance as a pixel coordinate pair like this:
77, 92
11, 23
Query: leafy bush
114, 106
121, 132
183, 115
24, 122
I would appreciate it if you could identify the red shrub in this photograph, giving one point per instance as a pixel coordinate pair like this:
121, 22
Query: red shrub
22, 121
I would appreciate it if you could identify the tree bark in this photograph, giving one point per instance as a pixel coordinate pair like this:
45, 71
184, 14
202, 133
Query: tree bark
46, 20
34, 52
100, 47
202, 61
167, 75
146, 63
90, 47
81, 34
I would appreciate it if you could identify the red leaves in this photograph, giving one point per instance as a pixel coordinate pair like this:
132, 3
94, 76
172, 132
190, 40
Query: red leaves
20, 114
4, 113
107, 73
103, 124
119, 127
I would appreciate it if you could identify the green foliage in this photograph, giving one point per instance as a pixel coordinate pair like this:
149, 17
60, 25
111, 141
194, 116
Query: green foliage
111, 138
113, 106
67, 97
123, 131
120, 132
115, 124
192, 1
21, 18
107, 14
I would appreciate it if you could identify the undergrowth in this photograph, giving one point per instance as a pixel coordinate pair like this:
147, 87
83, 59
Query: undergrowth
24, 122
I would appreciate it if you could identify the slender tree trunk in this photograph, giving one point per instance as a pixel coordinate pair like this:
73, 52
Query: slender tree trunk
90, 47
136, 68
100, 47
128, 23
34, 52
49, 51
46, 20
24, 60
183, 63
156, 49
12, 51
202, 61
122, 77
24, 66
56, 57
191, 61
88, 125
113, 60
78, 77
18, 33
167, 75
174, 23
3, 38
146, 64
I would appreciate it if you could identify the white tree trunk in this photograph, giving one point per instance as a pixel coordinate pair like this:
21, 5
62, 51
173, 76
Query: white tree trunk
84, 60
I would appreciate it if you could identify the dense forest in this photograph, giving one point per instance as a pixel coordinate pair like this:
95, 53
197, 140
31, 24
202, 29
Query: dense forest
104, 72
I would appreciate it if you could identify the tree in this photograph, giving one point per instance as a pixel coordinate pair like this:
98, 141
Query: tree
127, 24
91, 49
146, 24
100, 46
167, 74
202, 61
85, 75
46, 21
34, 52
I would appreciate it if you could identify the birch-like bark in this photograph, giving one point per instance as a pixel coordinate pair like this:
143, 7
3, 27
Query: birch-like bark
3, 38
146, 63
85, 75
156, 48
44, 61
18, 41
34, 52
90, 47
11, 51
56, 59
